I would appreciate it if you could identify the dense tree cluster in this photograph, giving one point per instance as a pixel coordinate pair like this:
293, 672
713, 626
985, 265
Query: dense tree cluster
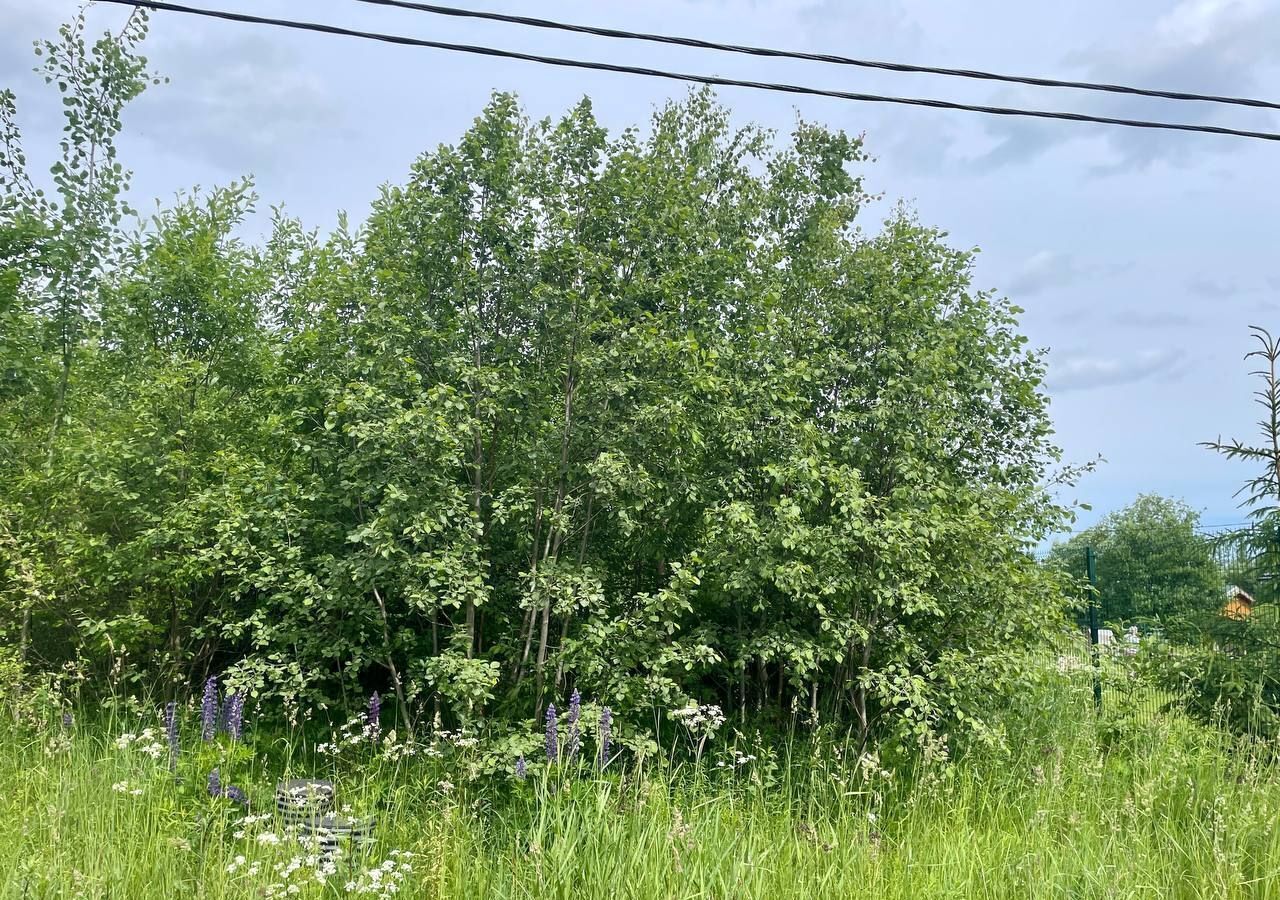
643, 414
1154, 564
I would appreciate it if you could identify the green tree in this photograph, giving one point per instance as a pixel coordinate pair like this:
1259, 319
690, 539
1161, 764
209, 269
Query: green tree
54, 256
1233, 675
645, 415
1152, 563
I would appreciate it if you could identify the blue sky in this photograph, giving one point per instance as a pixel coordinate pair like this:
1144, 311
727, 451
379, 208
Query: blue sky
1141, 258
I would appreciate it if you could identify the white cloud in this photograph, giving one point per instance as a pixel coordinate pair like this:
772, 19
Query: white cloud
239, 100
1049, 269
1201, 46
1076, 373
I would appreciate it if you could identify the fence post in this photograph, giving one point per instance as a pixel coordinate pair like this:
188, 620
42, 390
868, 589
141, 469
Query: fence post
1090, 568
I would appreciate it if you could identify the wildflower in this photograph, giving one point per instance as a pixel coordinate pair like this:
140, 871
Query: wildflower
120, 787
521, 770
235, 716
575, 711
445, 786
606, 734
235, 795
68, 720
553, 745
171, 732
375, 716
209, 709
268, 838
215, 784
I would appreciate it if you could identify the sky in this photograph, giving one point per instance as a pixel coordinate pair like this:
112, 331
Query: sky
1141, 258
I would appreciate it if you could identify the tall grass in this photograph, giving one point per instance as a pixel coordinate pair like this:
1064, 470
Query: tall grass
1073, 806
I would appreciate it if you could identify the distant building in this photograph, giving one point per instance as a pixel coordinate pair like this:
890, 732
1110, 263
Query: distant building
1239, 603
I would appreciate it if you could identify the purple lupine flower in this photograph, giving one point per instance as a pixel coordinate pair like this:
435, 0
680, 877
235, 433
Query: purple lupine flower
209, 709
521, 768
235, 716
235, 795
375, 716
575, 711
606, 734
68, 720
171, 732
215, 784
553, 743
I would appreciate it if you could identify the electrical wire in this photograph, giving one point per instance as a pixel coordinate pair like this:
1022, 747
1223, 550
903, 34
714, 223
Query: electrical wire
701, 44
713, 80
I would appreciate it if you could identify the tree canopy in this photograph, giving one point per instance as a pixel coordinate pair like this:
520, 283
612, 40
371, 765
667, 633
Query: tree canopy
1152, 562
644, 414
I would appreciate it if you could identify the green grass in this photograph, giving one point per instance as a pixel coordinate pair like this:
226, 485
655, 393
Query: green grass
1077, 806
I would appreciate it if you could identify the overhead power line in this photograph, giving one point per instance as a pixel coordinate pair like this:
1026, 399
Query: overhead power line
701, 44
713, 80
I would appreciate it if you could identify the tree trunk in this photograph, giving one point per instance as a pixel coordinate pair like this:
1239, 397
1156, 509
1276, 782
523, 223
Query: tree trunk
391, 663
860, 698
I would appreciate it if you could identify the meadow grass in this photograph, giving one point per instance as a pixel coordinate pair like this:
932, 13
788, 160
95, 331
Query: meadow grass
1074, 805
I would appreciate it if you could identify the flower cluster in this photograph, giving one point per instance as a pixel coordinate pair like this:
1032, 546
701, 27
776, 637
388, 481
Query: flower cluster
394, 750
209, 709
869, 763
383, 880
552, 743
246, 824
736, 759
575, 736
228, 791
606, 735
233, 715
355, 731
702, 721
123, 787
289, 876
375, 717
144, 742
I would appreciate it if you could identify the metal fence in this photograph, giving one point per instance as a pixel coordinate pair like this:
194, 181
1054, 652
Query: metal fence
1133, 589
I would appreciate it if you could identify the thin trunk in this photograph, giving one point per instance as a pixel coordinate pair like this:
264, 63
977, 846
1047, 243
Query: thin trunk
542, 644
33, 594
391, 663
564, 635
531, 614
24, 635
553, 547
860, 697
526, 637
556, 533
